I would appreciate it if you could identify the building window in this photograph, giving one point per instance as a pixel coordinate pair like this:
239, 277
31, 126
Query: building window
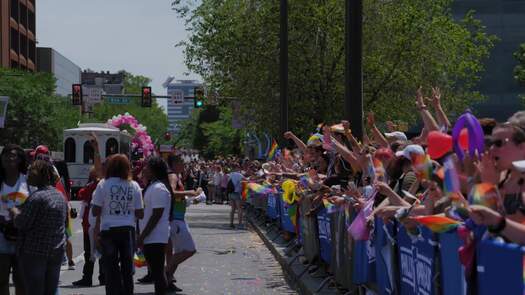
89, 153
111, 147
14, 40
23, 45
31, 21
23, 15
14, 10
70, 150
31, 50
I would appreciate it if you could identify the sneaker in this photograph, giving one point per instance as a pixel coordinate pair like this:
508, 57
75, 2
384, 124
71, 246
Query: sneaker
83, 283
147, 279
173, 288
231, 225
71, 266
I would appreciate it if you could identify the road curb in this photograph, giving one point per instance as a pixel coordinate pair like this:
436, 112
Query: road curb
304, 284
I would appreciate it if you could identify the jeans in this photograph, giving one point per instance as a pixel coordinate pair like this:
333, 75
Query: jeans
155, 256
8, 263
89, 264
118, 248
41, 274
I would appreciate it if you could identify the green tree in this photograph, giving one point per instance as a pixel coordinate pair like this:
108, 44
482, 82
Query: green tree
34, 114
234, 46
519, 70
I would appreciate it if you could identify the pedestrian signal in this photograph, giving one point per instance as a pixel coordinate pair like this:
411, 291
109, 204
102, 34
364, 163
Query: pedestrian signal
76, 94
146, 97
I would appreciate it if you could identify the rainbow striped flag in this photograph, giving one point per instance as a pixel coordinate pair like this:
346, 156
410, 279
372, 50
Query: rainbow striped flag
260, 189
139, 260
484, 194
422, 165
245, 192
330, 207
437, 223
273, 150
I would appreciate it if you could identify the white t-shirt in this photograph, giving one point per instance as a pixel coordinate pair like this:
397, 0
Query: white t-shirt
118, 199
157, 196
12, 196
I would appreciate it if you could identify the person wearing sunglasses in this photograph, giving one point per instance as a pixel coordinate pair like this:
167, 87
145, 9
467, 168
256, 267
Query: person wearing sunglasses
507, 146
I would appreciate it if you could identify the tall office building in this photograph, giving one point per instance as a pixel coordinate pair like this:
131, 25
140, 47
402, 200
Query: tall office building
64, 70
18, 34
506, 20
178, 112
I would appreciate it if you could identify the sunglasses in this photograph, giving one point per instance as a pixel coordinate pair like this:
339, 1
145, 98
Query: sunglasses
499, 142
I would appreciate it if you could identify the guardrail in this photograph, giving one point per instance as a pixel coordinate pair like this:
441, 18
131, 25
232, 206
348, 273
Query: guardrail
392, 261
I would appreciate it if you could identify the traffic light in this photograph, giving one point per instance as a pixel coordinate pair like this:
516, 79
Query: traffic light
199, 97
146, 97
76, 94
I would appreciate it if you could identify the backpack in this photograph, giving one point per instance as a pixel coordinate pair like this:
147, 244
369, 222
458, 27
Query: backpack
231, 187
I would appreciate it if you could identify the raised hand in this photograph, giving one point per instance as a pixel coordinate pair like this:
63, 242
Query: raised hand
420, 101
370, 119
288, 135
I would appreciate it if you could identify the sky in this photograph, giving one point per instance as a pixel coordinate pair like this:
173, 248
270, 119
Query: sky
138, 36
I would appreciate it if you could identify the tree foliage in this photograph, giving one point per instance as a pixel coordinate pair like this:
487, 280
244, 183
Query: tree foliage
234, 46
34, 114
519, 70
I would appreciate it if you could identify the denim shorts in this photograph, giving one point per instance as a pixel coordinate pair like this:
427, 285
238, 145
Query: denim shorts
235, 196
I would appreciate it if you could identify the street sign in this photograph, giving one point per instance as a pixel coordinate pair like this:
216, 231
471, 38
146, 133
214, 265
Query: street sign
94, 94
117, 99
3, 110
177, 96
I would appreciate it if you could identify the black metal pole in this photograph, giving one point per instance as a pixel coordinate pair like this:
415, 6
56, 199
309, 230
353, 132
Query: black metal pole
283, 37
354, 65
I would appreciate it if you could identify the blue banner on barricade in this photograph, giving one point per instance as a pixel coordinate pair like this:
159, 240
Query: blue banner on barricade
452, 272
384, 245
364, 263
416, 258
500, 268
286, 222
325, 235
272, 211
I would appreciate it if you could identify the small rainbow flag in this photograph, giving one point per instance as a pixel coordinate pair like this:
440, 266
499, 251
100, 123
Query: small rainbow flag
273, 150
379, 169
484, 194
260, 189
330, 207
14, 199
139, 260
422, 165
245, 192
437, 223
451, 179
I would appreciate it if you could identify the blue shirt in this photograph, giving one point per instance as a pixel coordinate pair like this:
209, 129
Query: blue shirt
236, 179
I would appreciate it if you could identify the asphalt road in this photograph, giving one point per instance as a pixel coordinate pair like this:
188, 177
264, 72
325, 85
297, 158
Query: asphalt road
228, 261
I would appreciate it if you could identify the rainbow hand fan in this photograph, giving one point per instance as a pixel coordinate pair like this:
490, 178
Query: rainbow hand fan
139, 260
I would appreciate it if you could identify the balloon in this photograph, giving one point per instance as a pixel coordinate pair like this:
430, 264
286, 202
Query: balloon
463, 139
476, 138
439, 144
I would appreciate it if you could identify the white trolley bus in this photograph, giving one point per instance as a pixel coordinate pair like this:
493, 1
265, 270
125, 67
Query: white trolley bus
79, 154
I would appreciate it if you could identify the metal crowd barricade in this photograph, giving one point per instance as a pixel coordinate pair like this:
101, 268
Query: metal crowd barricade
309, 230
452, 271
286, 222
325, 235
341, 247
500, 268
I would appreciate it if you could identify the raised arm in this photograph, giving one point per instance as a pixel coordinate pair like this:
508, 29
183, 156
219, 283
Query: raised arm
300, 144
428, 120
440, 113
376, 133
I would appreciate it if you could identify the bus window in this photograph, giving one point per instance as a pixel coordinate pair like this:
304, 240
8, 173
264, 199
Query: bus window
124, 146
111, 147
70, 152
89, 153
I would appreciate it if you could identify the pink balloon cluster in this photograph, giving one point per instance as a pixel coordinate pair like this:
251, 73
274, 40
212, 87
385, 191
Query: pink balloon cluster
141, 140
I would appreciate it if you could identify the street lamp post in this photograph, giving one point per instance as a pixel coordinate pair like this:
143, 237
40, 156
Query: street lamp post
283, 66
354, 65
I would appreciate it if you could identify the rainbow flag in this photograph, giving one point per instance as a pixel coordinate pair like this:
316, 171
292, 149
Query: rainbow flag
139, 260
422, 165
437, 223
484, 194
260, 189
273, 150
379, 169
330, 207
245, 190
451, 179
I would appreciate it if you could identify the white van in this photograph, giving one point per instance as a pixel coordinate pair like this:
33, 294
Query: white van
79, 154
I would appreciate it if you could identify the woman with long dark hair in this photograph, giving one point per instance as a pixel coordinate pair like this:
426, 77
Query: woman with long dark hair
118, 202
13, 182
155, 227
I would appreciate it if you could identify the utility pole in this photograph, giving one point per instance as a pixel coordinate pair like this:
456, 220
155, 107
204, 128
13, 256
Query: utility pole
354, 65
283, 65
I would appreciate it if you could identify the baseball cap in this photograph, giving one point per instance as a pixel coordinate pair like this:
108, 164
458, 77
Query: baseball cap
410, 149
398, 135
40, 150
